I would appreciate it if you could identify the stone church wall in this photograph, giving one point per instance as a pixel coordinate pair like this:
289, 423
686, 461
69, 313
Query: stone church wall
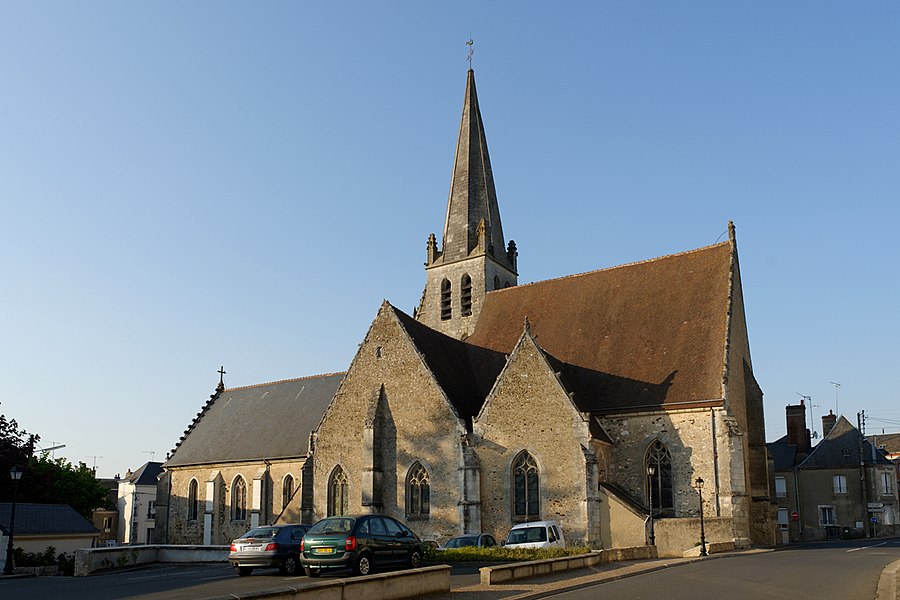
413, 422
529, 410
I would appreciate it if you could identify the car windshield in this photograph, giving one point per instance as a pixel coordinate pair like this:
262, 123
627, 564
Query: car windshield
460, 542
261, 532
527, 535
332, 526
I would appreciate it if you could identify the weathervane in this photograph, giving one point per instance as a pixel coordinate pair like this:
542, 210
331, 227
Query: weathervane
471, 45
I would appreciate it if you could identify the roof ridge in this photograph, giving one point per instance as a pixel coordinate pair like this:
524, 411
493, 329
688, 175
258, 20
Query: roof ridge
256, 385
630, 264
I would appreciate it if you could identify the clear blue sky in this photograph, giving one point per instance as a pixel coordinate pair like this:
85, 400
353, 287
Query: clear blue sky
189, 185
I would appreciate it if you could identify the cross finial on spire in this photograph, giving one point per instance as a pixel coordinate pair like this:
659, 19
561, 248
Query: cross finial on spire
221, 373
471, 45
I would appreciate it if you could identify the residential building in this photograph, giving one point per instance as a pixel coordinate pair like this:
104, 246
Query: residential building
136, 505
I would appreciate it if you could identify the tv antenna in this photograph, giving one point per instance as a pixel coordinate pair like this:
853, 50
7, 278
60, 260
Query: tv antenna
811, 420
837, 386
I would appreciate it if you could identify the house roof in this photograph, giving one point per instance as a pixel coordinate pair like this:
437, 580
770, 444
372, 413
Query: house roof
465, 372
890, 442
265, 421
840, 448
45, 519
636, 336
146, 474
783, 453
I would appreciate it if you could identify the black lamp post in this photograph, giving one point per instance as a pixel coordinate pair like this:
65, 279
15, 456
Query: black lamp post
651, 471
15, 473
699, 484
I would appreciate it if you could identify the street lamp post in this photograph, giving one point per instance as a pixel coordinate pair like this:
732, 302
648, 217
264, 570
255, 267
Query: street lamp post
699, 485
15, 473
651, 471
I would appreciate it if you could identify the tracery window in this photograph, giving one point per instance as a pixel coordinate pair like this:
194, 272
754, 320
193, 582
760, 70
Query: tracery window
193, 500
446, 312
526, 486
287, 490
659, 477
338, 493
239, 499
466, 295
418, 492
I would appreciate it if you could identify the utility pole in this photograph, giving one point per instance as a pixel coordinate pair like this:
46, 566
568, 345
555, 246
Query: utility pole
863, 480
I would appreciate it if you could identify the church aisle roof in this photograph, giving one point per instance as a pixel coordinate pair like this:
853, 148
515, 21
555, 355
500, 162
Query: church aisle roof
265, 421
631, 337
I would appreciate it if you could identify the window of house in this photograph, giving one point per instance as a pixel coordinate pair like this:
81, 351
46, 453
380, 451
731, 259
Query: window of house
658, 467
846, 457
780, 487
193, 500
107, 524
338, 495
239, 499
151, 509
886, 485
418, 492
526, 486
826, 516
446, 312
888, 517
782, 518
840, 484
287, 490
466, 295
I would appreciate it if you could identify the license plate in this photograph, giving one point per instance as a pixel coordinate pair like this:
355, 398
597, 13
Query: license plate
251, 547
323, 550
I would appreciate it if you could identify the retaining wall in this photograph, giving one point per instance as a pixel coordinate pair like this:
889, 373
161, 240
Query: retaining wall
513, 571
89, 560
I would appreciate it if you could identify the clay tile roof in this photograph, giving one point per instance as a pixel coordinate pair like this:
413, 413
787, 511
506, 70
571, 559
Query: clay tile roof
466, 373
637, 335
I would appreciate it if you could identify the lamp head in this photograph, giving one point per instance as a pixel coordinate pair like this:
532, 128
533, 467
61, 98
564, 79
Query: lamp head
699, 482
15, 472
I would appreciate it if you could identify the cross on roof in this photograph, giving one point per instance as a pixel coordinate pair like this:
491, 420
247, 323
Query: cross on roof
221, 373
471, 45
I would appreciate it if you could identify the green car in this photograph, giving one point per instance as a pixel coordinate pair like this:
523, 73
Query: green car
360, 543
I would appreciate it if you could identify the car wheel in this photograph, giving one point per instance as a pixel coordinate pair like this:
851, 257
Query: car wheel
290, 565
243, 571
363, 565
415, 558
310, 572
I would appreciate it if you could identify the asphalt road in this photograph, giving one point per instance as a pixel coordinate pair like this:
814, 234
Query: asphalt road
840, 570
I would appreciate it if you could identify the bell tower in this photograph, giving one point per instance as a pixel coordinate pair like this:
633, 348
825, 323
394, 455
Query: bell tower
473, 258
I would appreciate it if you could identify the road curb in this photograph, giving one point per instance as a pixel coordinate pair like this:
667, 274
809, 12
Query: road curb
888, 582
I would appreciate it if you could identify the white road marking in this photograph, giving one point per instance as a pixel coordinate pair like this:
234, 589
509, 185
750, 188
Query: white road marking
866, 547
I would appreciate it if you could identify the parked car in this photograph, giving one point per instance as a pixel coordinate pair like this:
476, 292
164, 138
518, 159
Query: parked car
268, 546
537, 534
478, 540
361, 543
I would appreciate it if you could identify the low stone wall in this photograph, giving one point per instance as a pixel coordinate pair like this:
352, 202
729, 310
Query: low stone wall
676, 536
522, 570
89, 560
713, 548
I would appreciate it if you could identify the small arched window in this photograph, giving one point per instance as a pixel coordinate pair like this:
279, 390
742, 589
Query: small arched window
239, 499
526, 486
193, 500
338, 493
465, 297
659, 477
446, 312
287, 490
418, 492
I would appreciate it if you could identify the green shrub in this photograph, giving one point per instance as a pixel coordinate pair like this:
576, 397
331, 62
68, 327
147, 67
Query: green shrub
498, 554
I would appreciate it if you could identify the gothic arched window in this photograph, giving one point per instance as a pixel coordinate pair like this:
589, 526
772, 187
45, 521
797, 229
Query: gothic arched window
465, 298
287, 490
659, 477
238, 499
338, 493
193, 500
446, 312
526, 486
418, 492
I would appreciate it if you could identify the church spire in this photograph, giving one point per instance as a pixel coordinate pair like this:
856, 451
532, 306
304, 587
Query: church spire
473, 199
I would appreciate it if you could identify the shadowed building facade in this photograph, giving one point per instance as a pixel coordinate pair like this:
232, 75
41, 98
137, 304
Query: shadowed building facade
497, 403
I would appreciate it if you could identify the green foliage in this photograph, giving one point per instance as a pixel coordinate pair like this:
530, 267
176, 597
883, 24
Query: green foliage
57, 481
47, 558
14, 450
498, 554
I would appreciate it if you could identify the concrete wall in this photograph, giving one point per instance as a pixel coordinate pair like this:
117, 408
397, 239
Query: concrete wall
675, 536
621, 527
67, 544
89, 560
534, 568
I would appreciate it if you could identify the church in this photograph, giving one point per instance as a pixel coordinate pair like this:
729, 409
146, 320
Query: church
619, 402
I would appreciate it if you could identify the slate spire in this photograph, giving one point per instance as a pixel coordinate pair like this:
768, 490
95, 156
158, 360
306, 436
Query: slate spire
473, 217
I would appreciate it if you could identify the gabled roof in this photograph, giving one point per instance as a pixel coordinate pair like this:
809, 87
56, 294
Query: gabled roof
784, 454
890, 442
45, 519
466, 373
636, 336
146, 475
266, 421
840, 448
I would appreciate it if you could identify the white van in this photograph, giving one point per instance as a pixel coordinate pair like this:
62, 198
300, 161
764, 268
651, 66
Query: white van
536, 534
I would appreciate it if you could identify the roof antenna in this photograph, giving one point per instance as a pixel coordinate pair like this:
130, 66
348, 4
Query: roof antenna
471, 45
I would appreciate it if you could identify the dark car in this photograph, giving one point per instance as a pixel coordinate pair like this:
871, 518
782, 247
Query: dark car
478, 540
360, 543
268, 546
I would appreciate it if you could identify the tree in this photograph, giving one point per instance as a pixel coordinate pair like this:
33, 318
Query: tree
15, 448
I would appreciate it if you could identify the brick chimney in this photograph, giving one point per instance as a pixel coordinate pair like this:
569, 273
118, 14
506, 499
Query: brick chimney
797, 433
828, 422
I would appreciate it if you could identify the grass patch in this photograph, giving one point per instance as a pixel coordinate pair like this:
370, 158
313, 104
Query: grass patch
498, 554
